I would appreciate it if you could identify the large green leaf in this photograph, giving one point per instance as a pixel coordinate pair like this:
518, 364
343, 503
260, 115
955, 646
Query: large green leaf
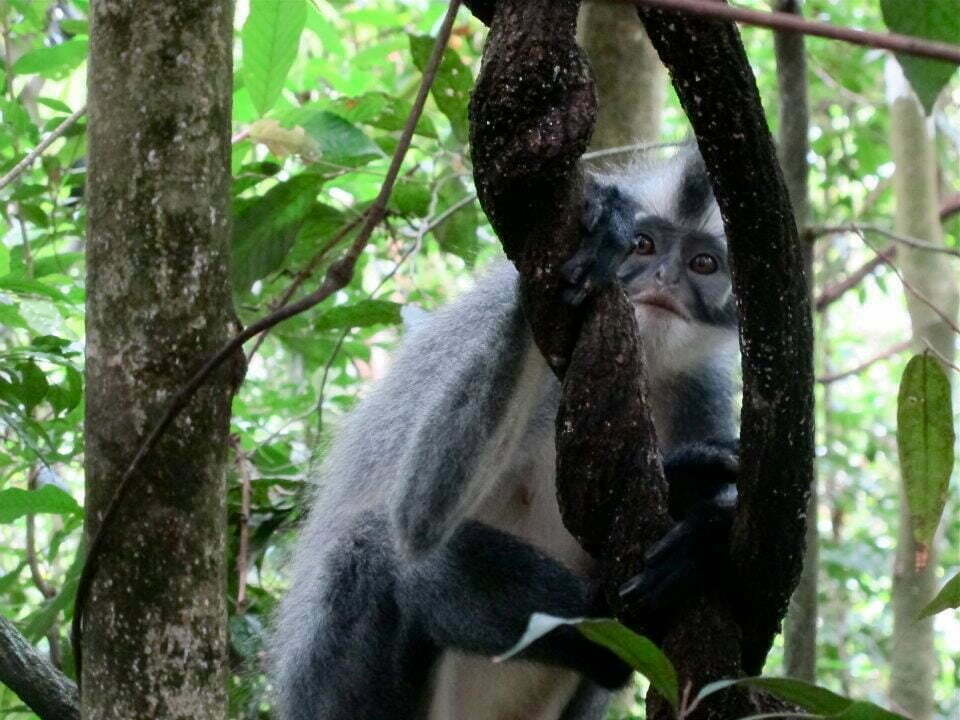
452, 86
932, 20
925, 439
638, 652
948, 597
339, 141
52, 62
264, 229
270, 38
16, 502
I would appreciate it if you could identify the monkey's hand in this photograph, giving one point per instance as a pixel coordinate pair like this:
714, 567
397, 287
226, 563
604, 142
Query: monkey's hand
694, 553
607, 239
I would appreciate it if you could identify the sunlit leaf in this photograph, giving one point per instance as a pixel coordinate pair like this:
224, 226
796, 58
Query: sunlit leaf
361, 314
270, 38
52, 62
16, 502
931, 20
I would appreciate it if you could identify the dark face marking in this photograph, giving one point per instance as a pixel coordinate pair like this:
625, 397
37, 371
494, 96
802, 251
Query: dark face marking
681, 270
695, 194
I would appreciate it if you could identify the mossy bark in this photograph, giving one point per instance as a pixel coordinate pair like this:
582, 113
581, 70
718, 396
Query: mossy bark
158, 303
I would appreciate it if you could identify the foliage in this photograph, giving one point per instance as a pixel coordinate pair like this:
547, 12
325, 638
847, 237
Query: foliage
321, 91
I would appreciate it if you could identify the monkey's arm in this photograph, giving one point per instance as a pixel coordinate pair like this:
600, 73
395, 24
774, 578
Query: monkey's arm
479, 378
693, 554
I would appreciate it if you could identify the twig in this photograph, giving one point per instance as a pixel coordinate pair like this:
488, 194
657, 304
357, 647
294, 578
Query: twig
338, 275
835, 292
946, 361
948, 321
305, 275
858, 229
58, 132
859, 368
38, 580
785, 21
623, 149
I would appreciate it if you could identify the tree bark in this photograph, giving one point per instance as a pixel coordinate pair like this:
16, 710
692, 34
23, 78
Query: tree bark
531, 115
912, 667
629, 77
800, 625
43, 688
158, 304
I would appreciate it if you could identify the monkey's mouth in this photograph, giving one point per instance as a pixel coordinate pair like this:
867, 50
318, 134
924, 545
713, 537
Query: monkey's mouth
661, 301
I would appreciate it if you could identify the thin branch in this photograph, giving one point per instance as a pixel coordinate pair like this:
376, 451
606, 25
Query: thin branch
833, 293
37, 576
785, 21
623, 149
858, 229
859, 368
948, 321
43, 688
936, 353
58, 132
338, 275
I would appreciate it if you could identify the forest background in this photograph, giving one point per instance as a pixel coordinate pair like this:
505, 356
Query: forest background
320, 92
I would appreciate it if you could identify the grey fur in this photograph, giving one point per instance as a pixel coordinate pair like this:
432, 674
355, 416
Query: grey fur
434, 532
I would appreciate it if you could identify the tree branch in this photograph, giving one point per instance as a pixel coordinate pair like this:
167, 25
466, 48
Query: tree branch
908, 44
44, 689
713, 80
860, 229
833, 293
57, 133
859, 368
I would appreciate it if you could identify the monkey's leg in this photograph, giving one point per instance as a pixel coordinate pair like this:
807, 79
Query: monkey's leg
476, 593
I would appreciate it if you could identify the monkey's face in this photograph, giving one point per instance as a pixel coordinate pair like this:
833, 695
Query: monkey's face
679, 283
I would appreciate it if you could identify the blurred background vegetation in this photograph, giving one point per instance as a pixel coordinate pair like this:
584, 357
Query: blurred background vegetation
322, 88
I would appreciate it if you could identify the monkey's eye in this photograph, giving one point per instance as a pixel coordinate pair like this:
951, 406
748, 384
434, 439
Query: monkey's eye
645, 245
704, 264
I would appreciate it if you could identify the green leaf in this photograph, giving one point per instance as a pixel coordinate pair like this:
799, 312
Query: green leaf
381, 110
452, 86
638, 652
265, 228
16, 502
52, 62
25, 286
410, 197
33, 385
824, 703
457, 234
925, 439
339, 141
948, 597
932, 20
361, 314
270, 39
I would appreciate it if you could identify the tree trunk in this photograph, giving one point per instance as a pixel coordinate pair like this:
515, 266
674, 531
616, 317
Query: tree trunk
158, 304
629, 77
800, 625
933, 277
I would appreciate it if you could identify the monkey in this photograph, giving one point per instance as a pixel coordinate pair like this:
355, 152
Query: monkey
435, 532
